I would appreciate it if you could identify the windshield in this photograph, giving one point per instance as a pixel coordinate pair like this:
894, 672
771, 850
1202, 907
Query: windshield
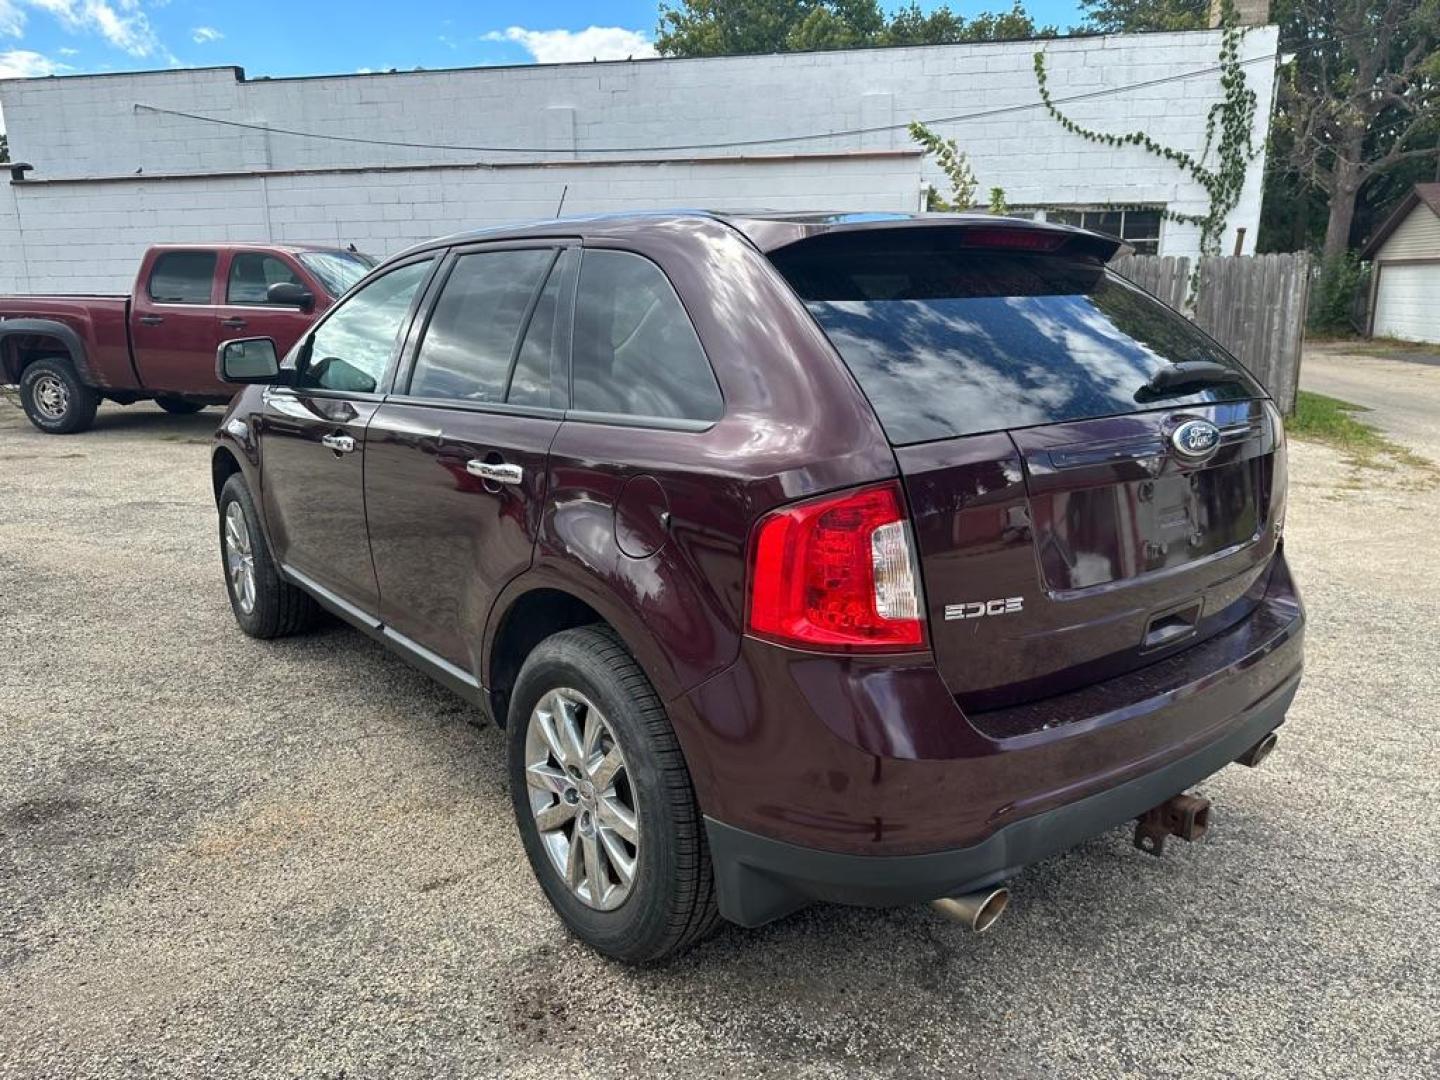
337, 270
957, 342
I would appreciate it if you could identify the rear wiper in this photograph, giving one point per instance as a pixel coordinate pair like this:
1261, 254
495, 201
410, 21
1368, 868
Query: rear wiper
1186, 375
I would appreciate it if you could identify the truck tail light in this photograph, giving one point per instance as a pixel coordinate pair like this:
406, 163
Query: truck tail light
837, 573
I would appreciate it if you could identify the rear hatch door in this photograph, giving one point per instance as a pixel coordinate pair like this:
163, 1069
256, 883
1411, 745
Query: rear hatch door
1076, 516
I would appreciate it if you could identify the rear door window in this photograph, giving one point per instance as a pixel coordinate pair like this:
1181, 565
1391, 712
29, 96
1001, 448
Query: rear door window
635, 351
182, 277
474, 330
949, 342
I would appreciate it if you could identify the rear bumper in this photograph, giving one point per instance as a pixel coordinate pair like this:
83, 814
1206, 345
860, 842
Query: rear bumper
859, 780
760, 879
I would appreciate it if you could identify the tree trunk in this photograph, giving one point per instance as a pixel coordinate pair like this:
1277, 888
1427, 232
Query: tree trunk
1342, 209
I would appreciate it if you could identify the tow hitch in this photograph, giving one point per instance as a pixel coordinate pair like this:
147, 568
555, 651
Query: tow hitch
1185, 816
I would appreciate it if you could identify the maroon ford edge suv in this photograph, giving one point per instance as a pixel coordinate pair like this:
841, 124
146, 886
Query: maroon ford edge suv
857, 558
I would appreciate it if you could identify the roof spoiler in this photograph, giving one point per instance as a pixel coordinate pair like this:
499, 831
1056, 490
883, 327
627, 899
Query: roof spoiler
904, 231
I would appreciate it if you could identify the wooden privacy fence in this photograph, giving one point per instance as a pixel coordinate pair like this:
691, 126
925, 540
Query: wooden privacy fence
1254, 305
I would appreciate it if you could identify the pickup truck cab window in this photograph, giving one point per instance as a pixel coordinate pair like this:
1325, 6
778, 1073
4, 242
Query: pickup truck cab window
251, 275
636, 353
470, 345
182, 277
351, 350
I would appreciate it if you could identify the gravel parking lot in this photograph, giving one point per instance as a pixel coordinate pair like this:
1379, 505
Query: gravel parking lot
227, 858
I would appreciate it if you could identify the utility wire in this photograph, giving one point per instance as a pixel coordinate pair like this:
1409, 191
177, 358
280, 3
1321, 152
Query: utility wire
772, 141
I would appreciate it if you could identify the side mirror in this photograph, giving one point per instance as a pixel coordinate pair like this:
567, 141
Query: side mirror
247, 360
336, 374
290, 294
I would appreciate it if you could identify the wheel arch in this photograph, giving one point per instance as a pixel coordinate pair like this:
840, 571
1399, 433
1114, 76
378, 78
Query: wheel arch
523, 620
544, 600
234, 456
223, 464
22, 341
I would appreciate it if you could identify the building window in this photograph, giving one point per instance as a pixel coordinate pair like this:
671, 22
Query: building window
1139, 227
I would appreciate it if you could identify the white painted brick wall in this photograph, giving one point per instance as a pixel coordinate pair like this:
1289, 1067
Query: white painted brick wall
89, 237
86, 127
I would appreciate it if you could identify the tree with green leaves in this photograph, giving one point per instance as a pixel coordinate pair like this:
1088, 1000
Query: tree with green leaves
1358, 117
745, 27
1137, 16
1359, 100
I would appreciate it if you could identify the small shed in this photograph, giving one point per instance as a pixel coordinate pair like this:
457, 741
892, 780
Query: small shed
1405, 277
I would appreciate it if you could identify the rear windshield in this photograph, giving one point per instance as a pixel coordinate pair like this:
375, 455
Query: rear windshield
947, 342
337, 270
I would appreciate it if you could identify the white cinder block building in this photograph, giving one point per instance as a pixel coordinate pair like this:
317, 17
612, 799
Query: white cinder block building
380, 161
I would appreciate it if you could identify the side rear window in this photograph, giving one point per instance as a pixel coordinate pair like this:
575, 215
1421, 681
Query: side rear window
251, 275
635, 351
471, 342
182, 277
949, 341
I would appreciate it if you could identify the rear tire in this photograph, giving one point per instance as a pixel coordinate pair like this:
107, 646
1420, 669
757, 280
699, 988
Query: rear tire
668, 903
265, 604
55, 399
178, 406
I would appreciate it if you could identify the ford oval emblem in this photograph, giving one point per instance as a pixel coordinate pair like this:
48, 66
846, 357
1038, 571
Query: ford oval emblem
1195, 439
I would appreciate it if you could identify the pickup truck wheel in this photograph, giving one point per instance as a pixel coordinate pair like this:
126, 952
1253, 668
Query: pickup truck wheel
178, 406
55, 399
604, 801
265, 604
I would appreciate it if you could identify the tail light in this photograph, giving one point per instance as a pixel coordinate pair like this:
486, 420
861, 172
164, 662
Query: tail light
837, 573
1279, 473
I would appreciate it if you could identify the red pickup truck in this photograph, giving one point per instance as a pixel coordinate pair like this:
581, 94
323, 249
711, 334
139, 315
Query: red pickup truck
67, 353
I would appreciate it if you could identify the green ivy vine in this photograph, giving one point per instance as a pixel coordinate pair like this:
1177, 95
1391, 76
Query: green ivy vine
1228, 128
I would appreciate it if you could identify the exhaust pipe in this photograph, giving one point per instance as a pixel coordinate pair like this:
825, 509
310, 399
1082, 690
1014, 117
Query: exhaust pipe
1259, 752
975, 911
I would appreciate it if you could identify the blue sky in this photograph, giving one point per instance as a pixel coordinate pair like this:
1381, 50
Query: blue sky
305, 37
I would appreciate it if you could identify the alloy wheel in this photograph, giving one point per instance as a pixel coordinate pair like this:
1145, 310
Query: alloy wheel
580, 793
239, 558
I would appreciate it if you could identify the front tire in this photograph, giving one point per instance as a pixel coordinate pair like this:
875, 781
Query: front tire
178, 406
604, 802
265, 604
55, 399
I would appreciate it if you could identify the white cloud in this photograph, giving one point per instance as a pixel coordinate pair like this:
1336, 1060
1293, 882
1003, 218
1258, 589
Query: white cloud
121, 23
203, 35
12, 19
570, 46
23, 64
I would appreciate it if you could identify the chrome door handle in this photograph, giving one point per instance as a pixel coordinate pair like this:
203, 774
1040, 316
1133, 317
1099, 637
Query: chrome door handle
495, 473
341, 444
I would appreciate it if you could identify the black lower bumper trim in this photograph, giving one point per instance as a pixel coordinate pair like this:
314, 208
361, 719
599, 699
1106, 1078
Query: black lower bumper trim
760, 879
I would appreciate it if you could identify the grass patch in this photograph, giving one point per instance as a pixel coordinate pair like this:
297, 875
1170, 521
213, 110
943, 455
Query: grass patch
1331, 421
